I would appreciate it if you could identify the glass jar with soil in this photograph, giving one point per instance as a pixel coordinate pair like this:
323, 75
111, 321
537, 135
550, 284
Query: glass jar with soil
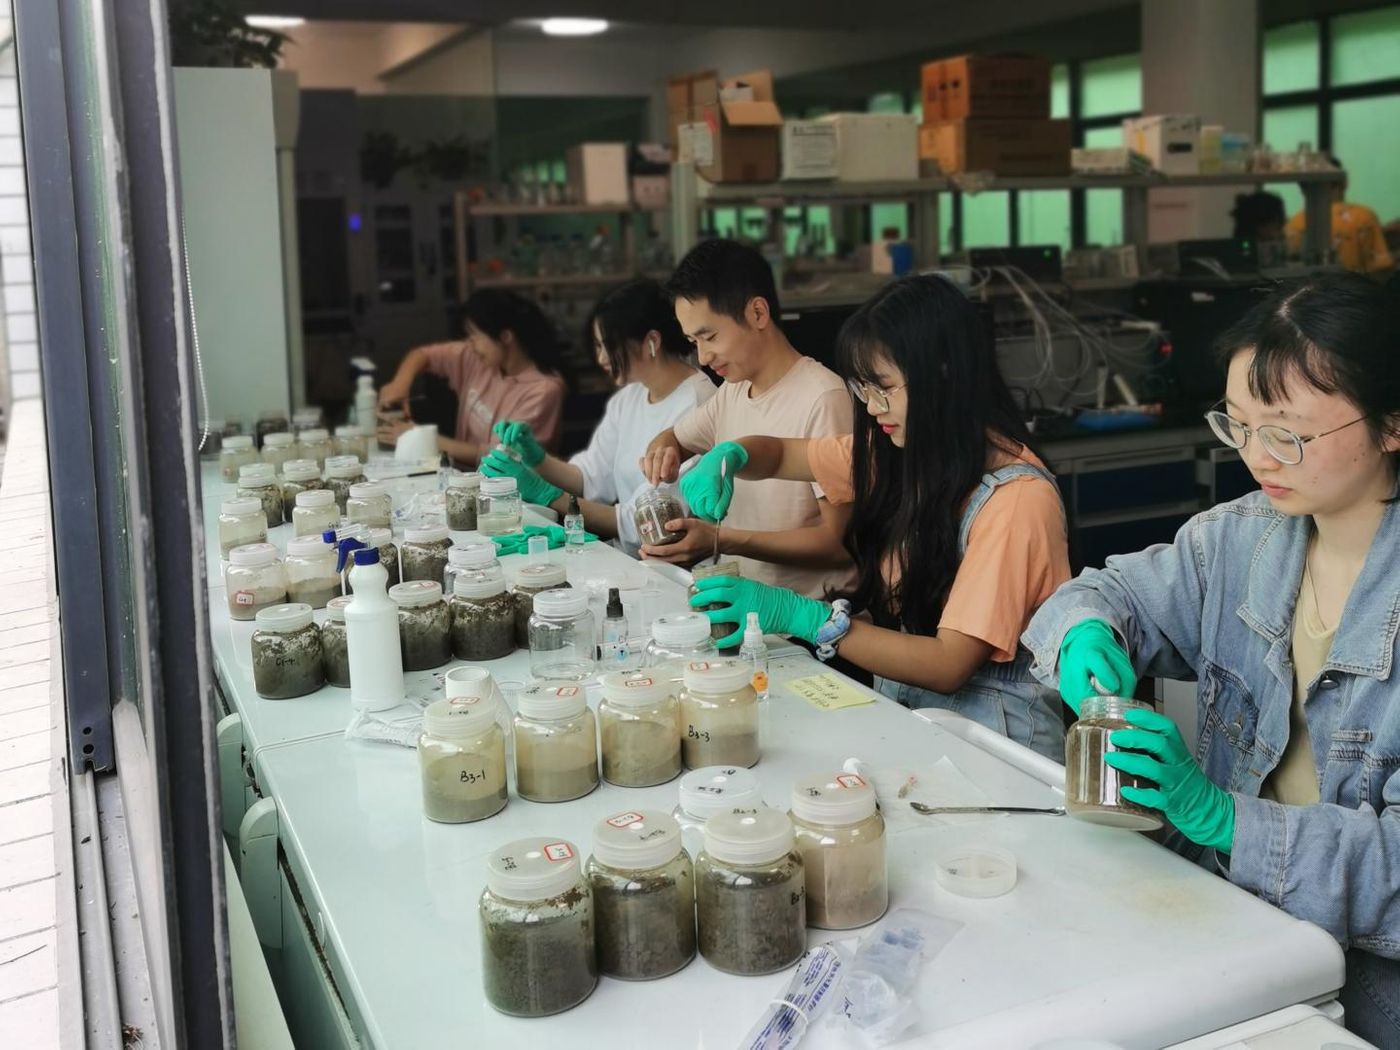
259, 481
718, 630
498, 507
652, 510
342, 474
311, 575
708, 792
562, 636
678, 639
382, 540
556, 743
425, 624
314, 513
298, 476
315, 443
639, 722
335, 654
369, 504
287, 656
471, 558
423, 555
841, 837
462, 758
719, 715
255, 579
304, 419
277, 449
273, 421
241, 522
531, 580
1091, 784
460, 501
235, 453
483, 616
351, 440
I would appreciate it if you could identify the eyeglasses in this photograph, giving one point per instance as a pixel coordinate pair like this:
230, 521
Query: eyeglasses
1279, 442
870, 394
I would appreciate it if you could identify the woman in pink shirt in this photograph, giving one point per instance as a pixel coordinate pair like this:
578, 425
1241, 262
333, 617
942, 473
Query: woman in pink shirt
507, 367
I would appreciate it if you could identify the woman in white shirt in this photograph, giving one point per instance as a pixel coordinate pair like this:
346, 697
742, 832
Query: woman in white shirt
639, 344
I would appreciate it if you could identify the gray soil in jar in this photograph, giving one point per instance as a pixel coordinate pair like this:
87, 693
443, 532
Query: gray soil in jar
524, 605
335, 655
425, 636
752, 921
287, 665
541, 784
483, 628
640, 753
652, 518
531, 969
461, 509
846, 884
271, 498
424, 561
290, 490
341, 488
314, 593
1091, 784
389, 558
704, 747
646, 922
460, 788
262, 597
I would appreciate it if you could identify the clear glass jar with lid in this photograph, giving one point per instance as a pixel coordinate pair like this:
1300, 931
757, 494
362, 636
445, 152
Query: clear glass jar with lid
639, 723
425, 625
255, 578
382, 540
352, 440
347, 531
311, 575
343, 472
236, 452
533, 579
335, 653
749, 893
287, 657
298, 476
708, 792
462, 757
538, 955
423, 555
271, 421
652, 510
562, 636
315, 443
259, 481
474, 556
724, 568
483, 616
556, 743
498, 507
315, 512
368, 503
1091, 784
678, 639
460, 500
841, 836
241, 521
278, 448
643, 886
304, 419
719, 714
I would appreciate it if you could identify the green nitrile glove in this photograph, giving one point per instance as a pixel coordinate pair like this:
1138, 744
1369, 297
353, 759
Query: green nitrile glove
533, 488
520, 437
1091, 648
519, 542
780, 611
1202, 812
707, 488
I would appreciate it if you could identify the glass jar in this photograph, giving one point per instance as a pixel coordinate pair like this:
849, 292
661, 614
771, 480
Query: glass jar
382, 540
537, 947
652, 510
562, 635
460, 500
241, 522
254, 580
273, 421
475, 556
1091, 784
278, 449
235, 453
483, 616
314, 513
718, 630
315, 443
304, 419
351, 440
423, 555
462, 756
287, 653
351, 532
342, 473
498, 507
335, 654
719, 715
425, 625
531, 580
368, 503
708, 792
841, 836
639, 721
643, 887
298, 476
259, 481
749, 890
556, 743
678, 639
311, 575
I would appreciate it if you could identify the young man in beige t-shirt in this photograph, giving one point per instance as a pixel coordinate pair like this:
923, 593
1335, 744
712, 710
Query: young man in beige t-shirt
727, 305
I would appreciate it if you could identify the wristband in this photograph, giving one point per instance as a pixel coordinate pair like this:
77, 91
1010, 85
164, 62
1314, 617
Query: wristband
835, 628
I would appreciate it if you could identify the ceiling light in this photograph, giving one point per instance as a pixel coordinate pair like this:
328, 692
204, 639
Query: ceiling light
274, 21
574, 26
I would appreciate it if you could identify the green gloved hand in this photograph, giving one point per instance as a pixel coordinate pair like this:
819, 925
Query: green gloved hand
1202, 812
709, 490
780, 611
519, 542
533, 488
1091, 648
520, 437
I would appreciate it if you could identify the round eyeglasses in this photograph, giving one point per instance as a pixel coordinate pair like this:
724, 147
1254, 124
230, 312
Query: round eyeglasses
872, 395
1279, 442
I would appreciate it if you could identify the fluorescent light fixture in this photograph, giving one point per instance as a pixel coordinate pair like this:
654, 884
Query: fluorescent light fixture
574, 26
274, 21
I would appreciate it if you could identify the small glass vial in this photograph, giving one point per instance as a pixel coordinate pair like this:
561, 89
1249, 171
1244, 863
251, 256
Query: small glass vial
277, 449
678, 639
425, 625
236, 452
724, 568
841, 837
1091, 784
562, 636
254, 580
483, 616
556, 743
529, 581
241, 521
652, 510
749, 890
423, 555
259, 481
382, 540
460, 500
314, 513
538, 955
639, 721
335, 655
719, 715
342, 474
462, 757
498, 507
315, 443
474, 557
643, 895
352, 440
287, 657
298, 476
368, 504
708, 792
311, 575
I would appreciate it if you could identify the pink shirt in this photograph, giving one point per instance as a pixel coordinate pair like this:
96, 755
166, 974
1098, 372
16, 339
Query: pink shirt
485, 397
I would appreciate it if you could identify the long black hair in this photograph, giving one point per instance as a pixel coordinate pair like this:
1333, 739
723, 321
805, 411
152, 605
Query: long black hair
910, 501
626, 314
498, 310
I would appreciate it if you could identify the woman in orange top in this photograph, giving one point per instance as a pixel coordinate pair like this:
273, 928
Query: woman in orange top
957, 530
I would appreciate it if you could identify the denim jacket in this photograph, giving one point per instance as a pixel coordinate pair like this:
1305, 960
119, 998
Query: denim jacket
1217, 605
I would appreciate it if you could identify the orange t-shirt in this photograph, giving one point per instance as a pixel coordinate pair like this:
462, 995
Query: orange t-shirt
1017, 551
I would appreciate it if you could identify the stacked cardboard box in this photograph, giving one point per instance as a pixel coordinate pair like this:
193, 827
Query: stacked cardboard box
735, 127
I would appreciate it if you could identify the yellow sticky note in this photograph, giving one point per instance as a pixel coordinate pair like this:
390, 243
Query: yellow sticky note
828, 692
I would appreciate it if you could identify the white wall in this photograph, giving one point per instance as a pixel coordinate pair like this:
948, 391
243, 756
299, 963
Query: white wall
373, 58
465, 66
21, 340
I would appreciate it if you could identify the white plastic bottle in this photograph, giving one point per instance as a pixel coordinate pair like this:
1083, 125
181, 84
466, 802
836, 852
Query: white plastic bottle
366, 402
754, 652
372, 634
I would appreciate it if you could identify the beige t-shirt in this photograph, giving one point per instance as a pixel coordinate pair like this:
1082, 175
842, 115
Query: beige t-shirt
809, 401
1294, 780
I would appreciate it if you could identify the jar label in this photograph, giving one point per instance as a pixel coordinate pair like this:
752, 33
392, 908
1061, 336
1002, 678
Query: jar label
760, 681
638, 683
698, 665
557, 851
462, 705
625, 820
244, 598
566, 691
850, 780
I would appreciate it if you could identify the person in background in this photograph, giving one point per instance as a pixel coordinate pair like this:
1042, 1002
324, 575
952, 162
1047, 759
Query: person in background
1357, 237
1259, 216
782, 532
507, 367
956, 527
639, 344
1283, 606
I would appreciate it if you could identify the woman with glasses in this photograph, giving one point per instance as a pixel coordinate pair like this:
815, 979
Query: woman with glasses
1284, 606
956, 526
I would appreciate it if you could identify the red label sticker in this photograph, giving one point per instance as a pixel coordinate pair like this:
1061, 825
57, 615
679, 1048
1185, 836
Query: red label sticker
566, 690
700, 665
625, 820
460, 705
638, 683
850, 780
559, 851
244, 598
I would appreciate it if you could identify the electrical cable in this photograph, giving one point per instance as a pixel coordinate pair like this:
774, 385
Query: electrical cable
194, 339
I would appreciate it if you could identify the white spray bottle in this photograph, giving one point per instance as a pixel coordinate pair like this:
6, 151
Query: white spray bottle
371, 632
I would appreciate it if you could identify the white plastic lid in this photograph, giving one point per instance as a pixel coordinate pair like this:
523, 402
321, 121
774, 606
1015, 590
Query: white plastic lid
280, 619
976, 871
479, 584
300, 470
350, 430
253, 554
257, 474
532, 869
634, 688
278, 440
368, 490
313, 498
561, 604
833, 798
749, 838
499, 487
312, 433
550, 701
637, 840
544, 574
460, 718
426, 534
380, 537
470, 480
242, 505
335, 608
344, 467
416, 592
686, 629
235, 442
712, 790
309, 547
717, 676
472, 556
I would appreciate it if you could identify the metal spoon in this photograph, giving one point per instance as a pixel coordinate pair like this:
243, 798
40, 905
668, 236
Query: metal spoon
919, 807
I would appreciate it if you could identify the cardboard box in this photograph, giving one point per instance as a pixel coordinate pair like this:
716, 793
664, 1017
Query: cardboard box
931, 77
680, 101
744, 128
875, 147
1005, 147
986, 86
809, 149
598, 173
1170, 141
651, 191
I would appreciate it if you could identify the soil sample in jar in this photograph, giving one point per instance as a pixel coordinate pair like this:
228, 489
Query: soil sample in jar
286, 653
472, 557
652, 510
718, 630
530, 581
462, 759
277, 449
298, 476
719, 715
841, 837
235, 452
460, 501
335, 654
311, 575
259, 481
639, 721
483, 616
708, 792
315, 512
556, 743
425, 625
241, 522
369, 504
423, 555
254, 580
1092, 786
342, 473
382, 540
